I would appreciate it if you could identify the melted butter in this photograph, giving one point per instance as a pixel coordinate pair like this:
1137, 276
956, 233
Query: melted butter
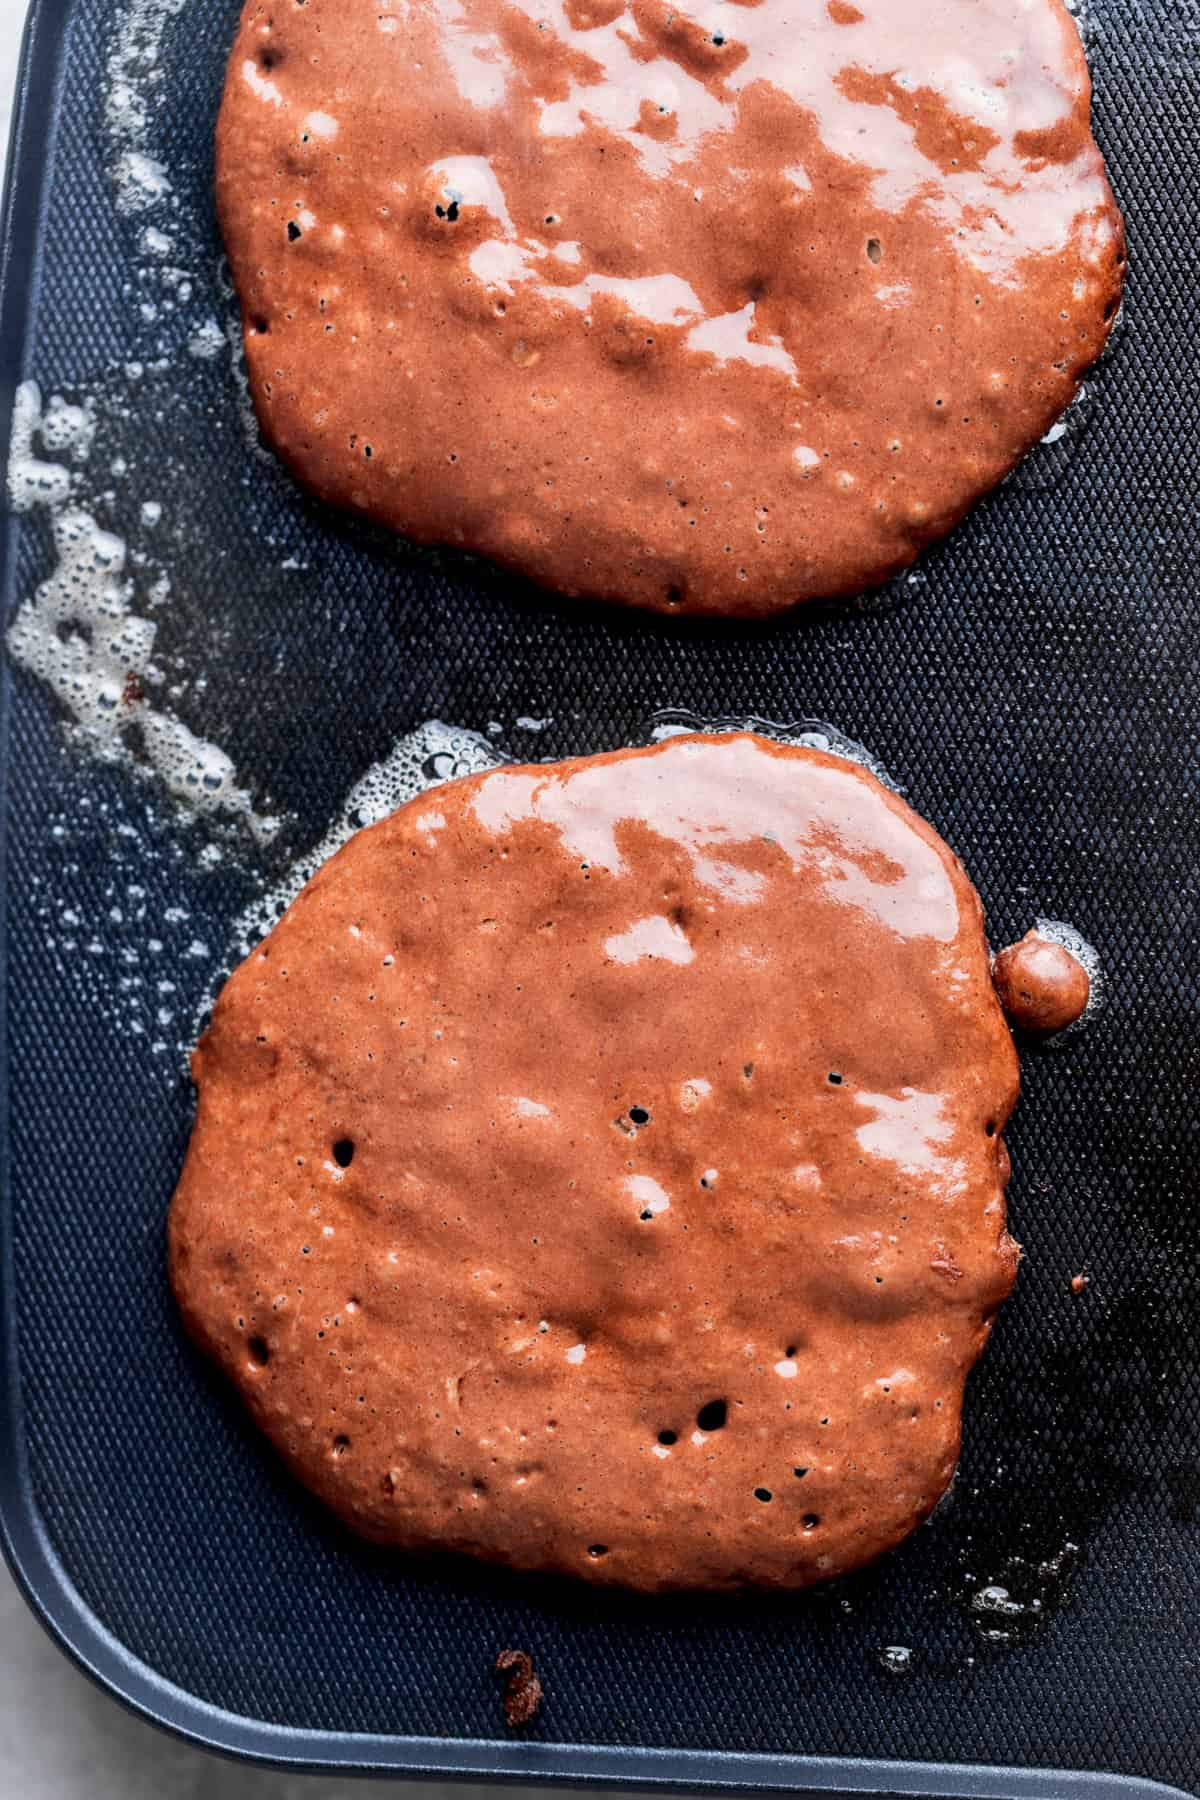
709, 305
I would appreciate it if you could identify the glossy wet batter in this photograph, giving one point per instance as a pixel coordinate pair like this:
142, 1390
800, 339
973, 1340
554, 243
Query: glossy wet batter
1041, 986
599, 1168
702, 305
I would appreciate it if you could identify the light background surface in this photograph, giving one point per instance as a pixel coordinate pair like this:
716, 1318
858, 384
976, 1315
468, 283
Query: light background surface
12, 17
11, 20
60, 1737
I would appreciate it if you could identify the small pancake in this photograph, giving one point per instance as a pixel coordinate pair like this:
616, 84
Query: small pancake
702, 305
599, 1168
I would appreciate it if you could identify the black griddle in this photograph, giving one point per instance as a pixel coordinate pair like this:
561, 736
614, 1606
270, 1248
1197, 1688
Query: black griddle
1035, 691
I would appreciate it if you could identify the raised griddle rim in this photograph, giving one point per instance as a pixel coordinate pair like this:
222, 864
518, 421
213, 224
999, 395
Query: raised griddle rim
40, 1576
105, 1660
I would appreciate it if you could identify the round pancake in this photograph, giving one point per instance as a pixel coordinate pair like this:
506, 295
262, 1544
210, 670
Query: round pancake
599, 1168
700, 305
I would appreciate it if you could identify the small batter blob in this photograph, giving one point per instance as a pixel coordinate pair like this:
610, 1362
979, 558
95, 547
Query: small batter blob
1043, 987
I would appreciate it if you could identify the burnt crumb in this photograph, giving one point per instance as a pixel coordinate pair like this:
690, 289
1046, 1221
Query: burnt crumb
522, 1688
133, 691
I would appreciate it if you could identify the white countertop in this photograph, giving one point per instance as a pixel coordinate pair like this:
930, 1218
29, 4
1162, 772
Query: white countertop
12, 17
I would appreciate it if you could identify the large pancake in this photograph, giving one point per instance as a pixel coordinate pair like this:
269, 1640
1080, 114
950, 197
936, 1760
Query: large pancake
703, 305
599, 1168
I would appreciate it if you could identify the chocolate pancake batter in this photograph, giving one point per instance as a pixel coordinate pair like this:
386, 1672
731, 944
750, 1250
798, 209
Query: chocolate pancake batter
599, 1168
702, 305
1042, 987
